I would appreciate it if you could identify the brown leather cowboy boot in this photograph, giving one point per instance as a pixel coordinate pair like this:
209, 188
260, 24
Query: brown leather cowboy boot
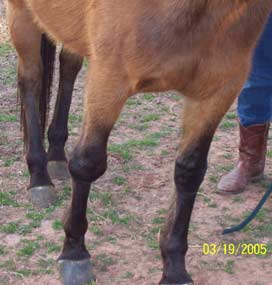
250, 167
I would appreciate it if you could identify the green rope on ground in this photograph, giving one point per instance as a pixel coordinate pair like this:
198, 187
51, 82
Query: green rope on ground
251, 216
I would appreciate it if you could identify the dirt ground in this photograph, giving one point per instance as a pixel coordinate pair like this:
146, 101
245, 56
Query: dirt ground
127, 206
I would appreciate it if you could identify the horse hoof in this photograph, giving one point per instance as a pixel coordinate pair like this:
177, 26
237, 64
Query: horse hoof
58, 170
76, 272
190, 283
164, 281
42, 196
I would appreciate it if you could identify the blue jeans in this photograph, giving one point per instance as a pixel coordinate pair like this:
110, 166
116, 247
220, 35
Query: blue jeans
255, 100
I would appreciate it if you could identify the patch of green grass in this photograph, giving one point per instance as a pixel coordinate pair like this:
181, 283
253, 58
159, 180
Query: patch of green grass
36, 217
52, 247
2, 249
260, 216
111, 239
133, 166
212, 265
116, 218
227, 156
9, 228
231, 115
5, 118
9, 265
122, 149
96, 230
104, 197
7, 200
128, 275
158, 220
85, 62
261, 227
29, 248
263, 230
9, 75
25, 272
216, 138
224, 168
238, 199
227, 125
151, 237
229, 267
5, 49
165, 109
269, 248
57, 225
148, 97
139, 127
133, 101
46, 263
175, 97
26, 173
150, 118
119, 180
269, 153
103, 262
75, 119
213, 178
210, 203
126, 149
165, 152
10, 161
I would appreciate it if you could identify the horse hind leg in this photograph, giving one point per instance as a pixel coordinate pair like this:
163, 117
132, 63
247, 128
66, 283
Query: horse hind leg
105, 97
26, 39
70, 65
201, 119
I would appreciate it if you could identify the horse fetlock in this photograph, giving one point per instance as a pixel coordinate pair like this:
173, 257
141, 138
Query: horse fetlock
74, 249
88, 164
56, 153
177, 276
37, 165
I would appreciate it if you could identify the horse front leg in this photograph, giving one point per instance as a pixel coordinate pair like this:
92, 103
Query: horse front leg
201, 119
26, 39
104, 100
70, 65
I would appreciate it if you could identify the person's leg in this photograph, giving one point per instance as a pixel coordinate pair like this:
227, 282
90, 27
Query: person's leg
255, 100
255, 114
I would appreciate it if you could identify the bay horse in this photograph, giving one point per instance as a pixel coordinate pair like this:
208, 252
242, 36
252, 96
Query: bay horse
201, 48
36, 57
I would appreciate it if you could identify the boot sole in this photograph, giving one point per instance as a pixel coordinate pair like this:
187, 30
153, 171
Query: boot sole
252, 180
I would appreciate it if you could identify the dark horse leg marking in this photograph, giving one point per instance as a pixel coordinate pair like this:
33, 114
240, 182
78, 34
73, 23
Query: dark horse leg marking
89, 159
70, 65
190, 168
30, 78
200, 121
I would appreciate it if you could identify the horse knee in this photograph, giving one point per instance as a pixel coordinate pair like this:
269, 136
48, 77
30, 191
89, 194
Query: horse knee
88, 163
190, 169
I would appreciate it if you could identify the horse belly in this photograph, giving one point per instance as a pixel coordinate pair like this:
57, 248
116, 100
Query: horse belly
64, 21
